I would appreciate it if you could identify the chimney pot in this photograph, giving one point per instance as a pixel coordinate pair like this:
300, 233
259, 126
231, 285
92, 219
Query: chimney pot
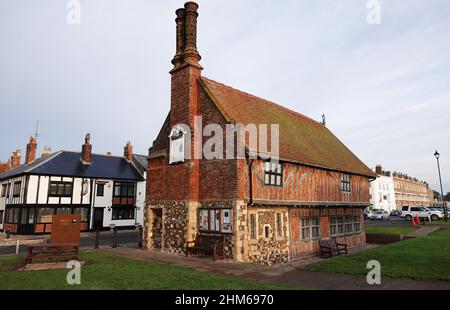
47, 151
86, 150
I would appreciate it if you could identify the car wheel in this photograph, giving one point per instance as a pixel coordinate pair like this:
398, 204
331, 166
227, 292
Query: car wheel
434, 217
409, 218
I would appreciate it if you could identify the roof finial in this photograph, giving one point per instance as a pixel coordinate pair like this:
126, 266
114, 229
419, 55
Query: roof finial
324, 120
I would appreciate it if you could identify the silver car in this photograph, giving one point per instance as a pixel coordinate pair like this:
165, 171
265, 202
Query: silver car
380, 216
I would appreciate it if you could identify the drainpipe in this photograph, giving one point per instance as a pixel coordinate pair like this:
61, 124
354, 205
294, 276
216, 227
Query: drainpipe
250, 202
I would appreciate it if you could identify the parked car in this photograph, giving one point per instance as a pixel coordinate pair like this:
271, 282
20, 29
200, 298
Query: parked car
439, 209
380, 215
409, 212
396, 213
368, 212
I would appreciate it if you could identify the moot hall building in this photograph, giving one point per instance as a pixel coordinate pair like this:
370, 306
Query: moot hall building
267, 211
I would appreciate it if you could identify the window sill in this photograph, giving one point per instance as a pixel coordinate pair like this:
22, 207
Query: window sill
273, 185
214, 232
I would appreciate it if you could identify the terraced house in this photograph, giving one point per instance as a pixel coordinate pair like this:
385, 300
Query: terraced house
269, 211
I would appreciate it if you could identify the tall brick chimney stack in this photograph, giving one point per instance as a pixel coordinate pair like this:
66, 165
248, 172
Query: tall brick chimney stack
30, 155
186, 40
180, 20
15, 159
185, 87
86, 150
190, 50
128, 151
379, 169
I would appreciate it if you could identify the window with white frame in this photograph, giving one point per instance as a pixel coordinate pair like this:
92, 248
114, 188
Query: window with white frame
310, 228
346, 183
273, 173
345, 226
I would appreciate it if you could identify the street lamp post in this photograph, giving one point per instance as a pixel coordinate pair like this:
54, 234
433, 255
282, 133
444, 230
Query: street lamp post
444, 205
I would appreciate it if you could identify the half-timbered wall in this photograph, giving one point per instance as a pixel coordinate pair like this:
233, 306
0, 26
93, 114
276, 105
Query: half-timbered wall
34, 193
306, 184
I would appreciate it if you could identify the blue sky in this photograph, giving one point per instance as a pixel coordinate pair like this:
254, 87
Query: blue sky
384, 88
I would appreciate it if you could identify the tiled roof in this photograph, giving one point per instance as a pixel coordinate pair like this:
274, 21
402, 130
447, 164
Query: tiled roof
68, 164
302, 140
142, 161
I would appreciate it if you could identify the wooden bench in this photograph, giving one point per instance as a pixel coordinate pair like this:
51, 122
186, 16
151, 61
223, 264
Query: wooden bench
329, 248
207, 245
52, 252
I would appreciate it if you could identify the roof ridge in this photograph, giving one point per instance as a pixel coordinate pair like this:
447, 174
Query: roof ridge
265, 100
96, 154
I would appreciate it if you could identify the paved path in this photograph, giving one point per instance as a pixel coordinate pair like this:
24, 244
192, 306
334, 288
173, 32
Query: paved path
283, 274
423, 231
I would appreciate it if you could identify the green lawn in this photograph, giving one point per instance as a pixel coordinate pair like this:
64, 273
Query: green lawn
389, 230
440, 223
105, 271
425, 258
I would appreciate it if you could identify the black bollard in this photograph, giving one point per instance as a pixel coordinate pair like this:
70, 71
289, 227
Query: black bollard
114, 245
97, 239
7, 234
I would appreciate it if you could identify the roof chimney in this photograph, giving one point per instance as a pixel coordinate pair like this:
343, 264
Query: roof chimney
86, 151
30, 155
47, 151
180, 20
4, 167
15, 159
379, 169
190, 50
128, 151
187, 36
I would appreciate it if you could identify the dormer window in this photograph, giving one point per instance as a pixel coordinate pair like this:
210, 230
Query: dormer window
177, 146
273, 173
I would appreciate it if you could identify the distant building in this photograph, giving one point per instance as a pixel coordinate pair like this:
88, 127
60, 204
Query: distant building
104, 189
410, 191
382, 193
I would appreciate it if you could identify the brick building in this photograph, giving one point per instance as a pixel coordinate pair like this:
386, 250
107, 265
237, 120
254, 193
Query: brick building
270, 211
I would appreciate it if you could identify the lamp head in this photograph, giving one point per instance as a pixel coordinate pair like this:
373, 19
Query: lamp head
437, 154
